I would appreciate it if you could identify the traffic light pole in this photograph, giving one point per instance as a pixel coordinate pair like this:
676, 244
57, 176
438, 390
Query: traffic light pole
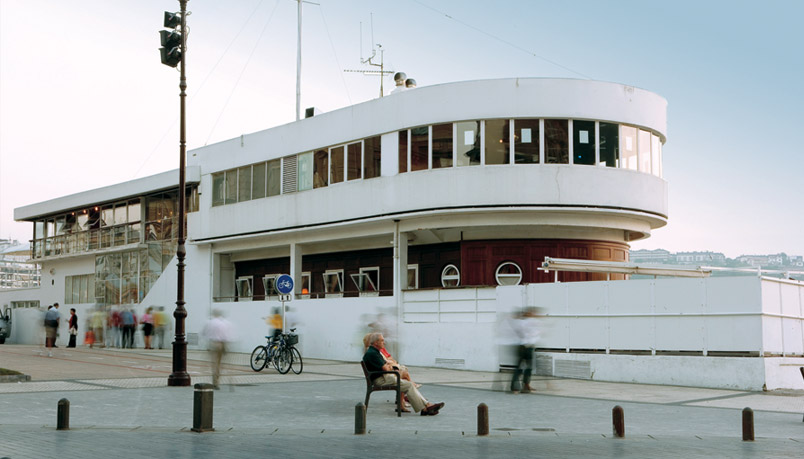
179, 377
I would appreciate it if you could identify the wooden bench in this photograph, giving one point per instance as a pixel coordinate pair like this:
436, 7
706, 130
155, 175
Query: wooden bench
371, 387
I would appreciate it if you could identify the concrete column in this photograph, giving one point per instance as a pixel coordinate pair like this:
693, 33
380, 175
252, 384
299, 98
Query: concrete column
296, 267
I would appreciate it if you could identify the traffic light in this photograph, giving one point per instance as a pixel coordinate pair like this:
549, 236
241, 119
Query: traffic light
171, 40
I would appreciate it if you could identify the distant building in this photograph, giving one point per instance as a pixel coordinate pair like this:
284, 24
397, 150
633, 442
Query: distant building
700, 257
754, 260
651, 256
15, 271
795, 260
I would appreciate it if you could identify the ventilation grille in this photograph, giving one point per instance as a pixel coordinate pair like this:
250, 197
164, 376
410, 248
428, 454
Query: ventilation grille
543, 365
577, 369
289, 177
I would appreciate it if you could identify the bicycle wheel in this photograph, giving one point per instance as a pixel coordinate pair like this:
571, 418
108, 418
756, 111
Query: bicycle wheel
296, 363
258, 358
273, 352
282, 360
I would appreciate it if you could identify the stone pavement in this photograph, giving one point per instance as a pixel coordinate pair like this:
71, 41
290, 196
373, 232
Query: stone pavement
120, 407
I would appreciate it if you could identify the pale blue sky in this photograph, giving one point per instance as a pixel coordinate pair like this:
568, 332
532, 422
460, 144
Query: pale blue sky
85, 102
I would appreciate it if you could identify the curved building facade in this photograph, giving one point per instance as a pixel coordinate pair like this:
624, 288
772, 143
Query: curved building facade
479, 180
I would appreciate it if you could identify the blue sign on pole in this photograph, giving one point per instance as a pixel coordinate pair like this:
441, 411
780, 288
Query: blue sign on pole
284, 284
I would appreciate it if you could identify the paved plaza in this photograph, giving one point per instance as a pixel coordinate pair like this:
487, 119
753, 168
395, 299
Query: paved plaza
120, 407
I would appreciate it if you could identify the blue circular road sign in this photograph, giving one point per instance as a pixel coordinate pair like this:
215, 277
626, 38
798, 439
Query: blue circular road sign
284, 284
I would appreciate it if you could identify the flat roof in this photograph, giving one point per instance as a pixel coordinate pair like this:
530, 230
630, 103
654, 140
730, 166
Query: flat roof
116, 192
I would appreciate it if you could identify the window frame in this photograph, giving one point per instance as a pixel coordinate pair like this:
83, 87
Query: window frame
498, 275
238, 282
338, 273
415, 269
450, 277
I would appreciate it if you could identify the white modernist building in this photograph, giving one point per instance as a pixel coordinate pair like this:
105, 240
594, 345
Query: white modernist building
432, 209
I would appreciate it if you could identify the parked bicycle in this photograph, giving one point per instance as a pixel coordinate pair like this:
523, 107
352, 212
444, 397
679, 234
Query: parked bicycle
279, 352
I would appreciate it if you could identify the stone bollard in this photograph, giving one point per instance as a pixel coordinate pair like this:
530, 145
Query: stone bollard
482, 420
748, 424
63, 415
360, 419
802, 375
202, 407
618, 421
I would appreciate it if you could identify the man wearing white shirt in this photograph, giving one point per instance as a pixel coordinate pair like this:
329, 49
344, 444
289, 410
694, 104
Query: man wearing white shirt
219, 331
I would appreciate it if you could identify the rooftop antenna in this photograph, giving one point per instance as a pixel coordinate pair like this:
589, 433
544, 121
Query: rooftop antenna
298, 56
381, 72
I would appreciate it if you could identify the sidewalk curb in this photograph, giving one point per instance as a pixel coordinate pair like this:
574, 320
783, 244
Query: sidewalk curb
14, 378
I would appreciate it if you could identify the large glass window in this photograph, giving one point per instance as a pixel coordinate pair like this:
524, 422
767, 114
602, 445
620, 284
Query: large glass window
274, 177
218, 190
628, 147
403, 151
583, 142
320, 169
258, 181
657, 152
467, 143
644, 151
372, 157
244, 184
419, 149
526, 141
230, 196
305, 171
442, 145
609, 144
556, 142
354, 155
498, 147
336, 165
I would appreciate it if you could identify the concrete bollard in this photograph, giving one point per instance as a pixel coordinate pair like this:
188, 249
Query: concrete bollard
63, 415
618, 421
360, 419
202, 407
802, 375
748, 424
482, 420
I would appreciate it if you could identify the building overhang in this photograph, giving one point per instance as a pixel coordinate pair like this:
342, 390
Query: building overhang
120, 191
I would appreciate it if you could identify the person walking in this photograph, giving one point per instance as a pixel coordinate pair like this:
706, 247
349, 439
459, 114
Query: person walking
51, 327
526, 328
129, 325
73, 327
219, 331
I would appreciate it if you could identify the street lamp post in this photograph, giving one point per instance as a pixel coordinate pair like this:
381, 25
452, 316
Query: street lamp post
179, 376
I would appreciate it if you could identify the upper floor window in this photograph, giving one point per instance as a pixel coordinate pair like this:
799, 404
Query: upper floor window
442, 145
628, 147
419, 148
372, 157
526, 141
556, 142
609, 144
497, 145
467, 143
336, 165
644, 151
367, 280
583, 142
403, 151
244, 289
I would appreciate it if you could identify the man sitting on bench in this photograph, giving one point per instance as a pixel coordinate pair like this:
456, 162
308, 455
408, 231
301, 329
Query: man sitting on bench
376, 362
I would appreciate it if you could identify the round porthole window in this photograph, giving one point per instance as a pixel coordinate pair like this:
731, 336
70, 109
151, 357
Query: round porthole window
508, 273
450, 276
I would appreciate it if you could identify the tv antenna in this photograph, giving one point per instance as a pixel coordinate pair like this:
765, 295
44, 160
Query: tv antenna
381, 72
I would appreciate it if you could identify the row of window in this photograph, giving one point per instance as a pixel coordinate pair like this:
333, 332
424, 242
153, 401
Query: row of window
464, 143
529, 141
111, 225
367, 280
304, 171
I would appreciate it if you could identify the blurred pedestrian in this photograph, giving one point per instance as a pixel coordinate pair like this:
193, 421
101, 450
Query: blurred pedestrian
129, 325
52, 318
220, 332
160, 324
147, 321
97, 320
526, 330
73, 327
